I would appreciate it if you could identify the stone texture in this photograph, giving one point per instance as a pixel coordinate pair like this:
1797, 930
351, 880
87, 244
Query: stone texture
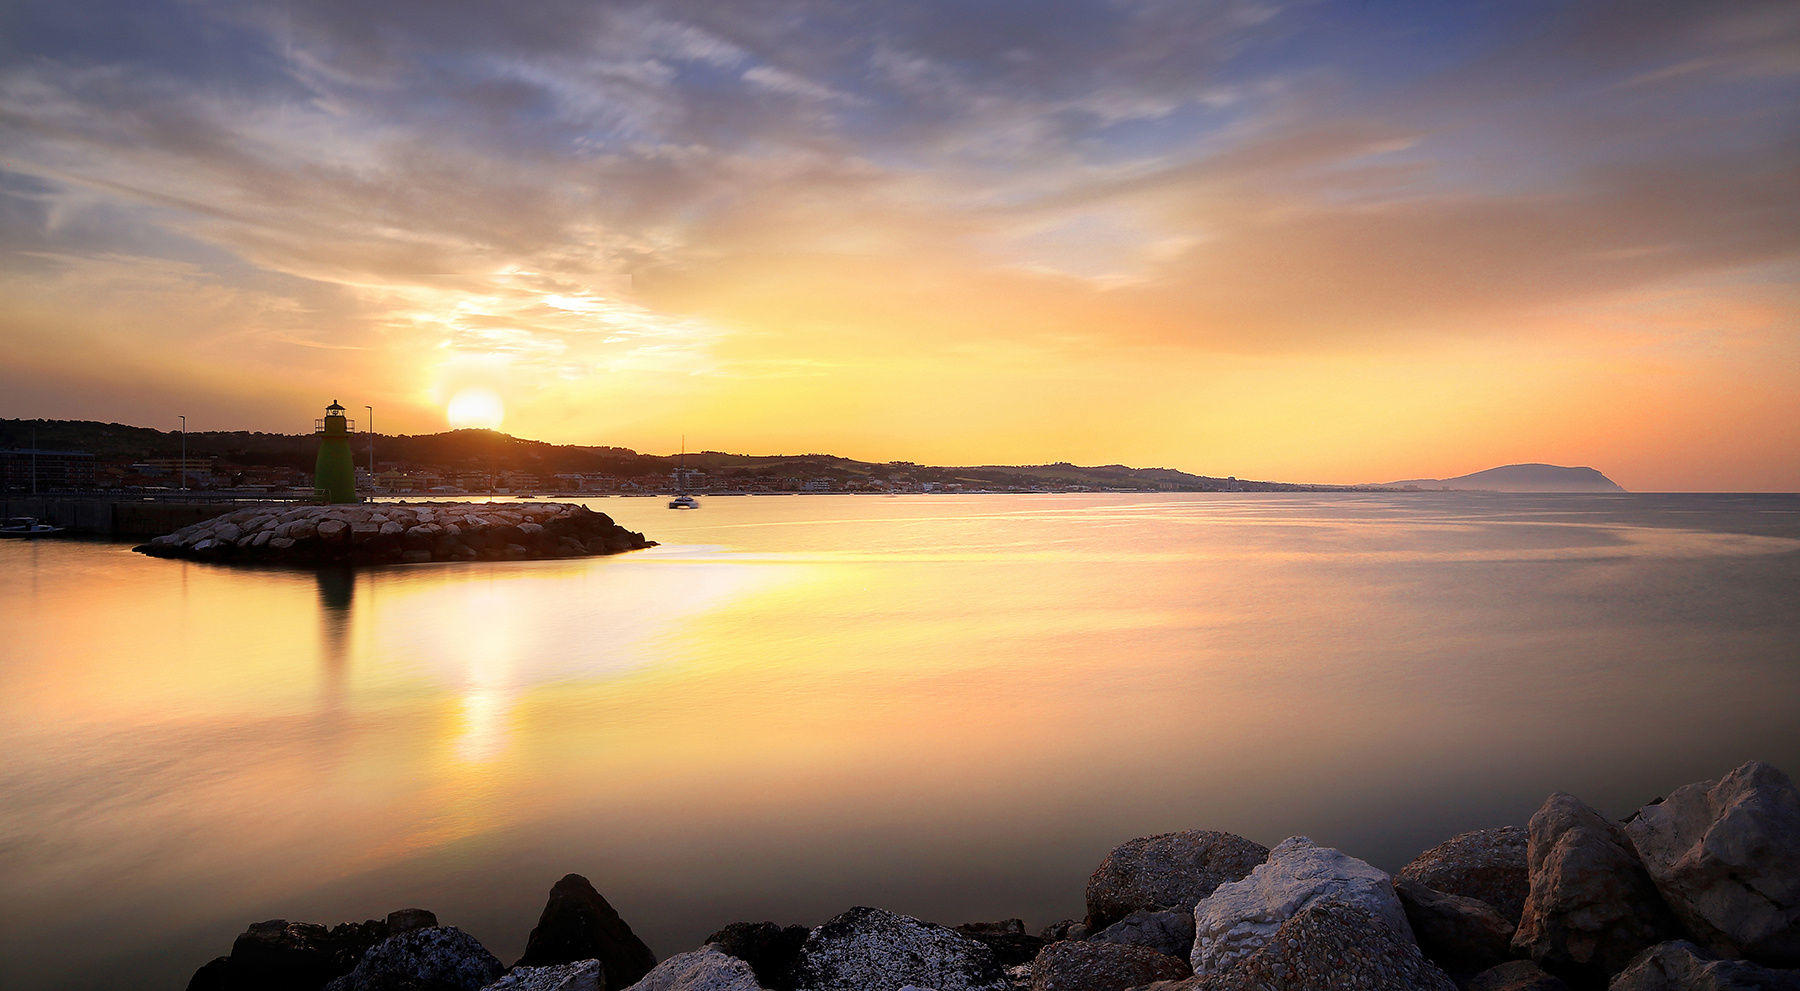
289, 956
769, 949
1056, 932
705, 969
1515, 975
1682, 966
578, 924
1464, 936
1330, 946
440, 958
1087, 966
1488, 864
1169, 871
1011, 944
388, 533
1170, 932
866, 949
1238, 918
1591, 907
1725, 856
582, 975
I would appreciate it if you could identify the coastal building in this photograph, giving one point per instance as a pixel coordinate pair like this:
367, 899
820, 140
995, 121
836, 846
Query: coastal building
27, 470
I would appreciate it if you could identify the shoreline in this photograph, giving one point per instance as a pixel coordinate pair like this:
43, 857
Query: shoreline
1697, 890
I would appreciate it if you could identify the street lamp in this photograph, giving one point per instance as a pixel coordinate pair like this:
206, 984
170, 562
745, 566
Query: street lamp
184, 454
369, 425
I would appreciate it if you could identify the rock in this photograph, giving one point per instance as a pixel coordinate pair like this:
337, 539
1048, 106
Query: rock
1085, 966
1725, 855
769, 949
333, 530
1488, 864
1515, 975
705, 969
1066, 929
439, 958
578, 924
1591, 908
1011, 944
392, 529
1682, 966
1169, 932
1464, 936
1170, 871
408, 919
1330, 945
582, 975
1238, 918
866, 949
290, 956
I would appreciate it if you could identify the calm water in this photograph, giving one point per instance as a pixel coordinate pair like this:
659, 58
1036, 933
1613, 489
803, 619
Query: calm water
948, 706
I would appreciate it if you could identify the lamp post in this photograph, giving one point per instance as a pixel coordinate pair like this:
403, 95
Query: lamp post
369, 425
184, 454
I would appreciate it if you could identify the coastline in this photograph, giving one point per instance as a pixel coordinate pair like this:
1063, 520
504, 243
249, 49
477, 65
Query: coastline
1697, 890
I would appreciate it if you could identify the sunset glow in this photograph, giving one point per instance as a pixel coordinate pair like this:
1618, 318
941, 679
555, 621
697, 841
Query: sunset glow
478, 408
1319, 242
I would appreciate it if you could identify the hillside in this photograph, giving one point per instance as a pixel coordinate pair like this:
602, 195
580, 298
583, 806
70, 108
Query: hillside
491, 451
1519, 478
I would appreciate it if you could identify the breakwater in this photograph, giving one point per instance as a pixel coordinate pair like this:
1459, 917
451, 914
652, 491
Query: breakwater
1700, 890
123, 516
398, 533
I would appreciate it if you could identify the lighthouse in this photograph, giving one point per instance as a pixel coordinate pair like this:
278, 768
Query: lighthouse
334, 475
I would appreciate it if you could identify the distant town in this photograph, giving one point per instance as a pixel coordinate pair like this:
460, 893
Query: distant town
47, 457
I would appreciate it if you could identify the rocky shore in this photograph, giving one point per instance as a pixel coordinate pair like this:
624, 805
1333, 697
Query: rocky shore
1698, 892
399, 533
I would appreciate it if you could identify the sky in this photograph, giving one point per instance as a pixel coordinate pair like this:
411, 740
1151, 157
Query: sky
1343, 242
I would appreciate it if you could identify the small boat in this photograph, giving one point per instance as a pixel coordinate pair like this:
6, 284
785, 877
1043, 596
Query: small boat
682, 500
27, 526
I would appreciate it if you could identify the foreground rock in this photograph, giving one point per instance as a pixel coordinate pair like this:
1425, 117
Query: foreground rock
1515, 975
391, 533
1488, 864
1464, 936
578, 924
1072, 966
1330, 946
1169, 932
769, 949
1239, 918
1725, 855
1682, 966
1170, 871
866, 949
584, 975
1591, 907
291, 956
1011, 944
705, 969
438, 958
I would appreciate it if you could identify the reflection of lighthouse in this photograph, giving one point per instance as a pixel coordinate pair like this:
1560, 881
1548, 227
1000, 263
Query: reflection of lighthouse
334, 475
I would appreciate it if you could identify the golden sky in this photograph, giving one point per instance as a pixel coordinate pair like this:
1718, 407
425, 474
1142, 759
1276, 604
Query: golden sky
1305, 241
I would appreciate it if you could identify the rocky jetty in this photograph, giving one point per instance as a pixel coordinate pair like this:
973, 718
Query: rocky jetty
399, 533
1690, 893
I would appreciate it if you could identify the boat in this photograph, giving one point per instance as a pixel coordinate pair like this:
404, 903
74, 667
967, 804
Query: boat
27, 526
682, 500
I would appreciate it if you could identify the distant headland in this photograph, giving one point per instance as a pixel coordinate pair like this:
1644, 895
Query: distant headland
1518, 478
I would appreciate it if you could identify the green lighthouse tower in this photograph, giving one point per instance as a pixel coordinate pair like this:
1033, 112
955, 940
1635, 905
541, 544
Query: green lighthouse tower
334, 475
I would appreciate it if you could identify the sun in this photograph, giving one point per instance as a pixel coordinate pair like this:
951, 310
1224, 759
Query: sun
474, 407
